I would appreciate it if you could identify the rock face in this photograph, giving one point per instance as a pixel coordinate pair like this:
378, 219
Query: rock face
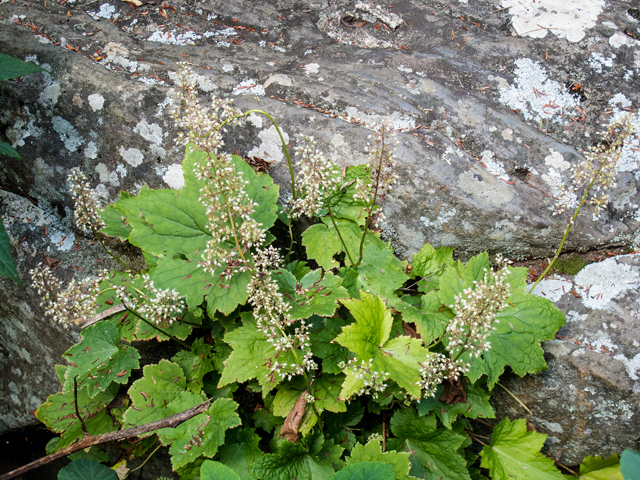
493, 106
588, 402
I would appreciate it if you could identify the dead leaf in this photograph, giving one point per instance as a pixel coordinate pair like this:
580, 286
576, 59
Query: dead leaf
51, 261
410, 330
292, 423
454, 392
259, 164
137, 3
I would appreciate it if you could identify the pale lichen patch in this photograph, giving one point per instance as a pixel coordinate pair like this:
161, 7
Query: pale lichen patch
132, 156
270, 147
174, 176
599, 283
568, 19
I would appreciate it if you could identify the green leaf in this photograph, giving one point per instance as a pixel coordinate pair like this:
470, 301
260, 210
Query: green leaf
151, 395
99, 359
515, 453
95, 454
262, 191
477, 405
457, 277
165, 223
630, 464
343, 203
435, 451
8, 150
367, 338
7, 267
430, 325
252, 353
322, 245
58, 413
429, 260
225, 297
292, 461
86, 470
381, 273
195, 364
372, 452
320, 298
241, 450
188, 278
202, 434
323, 346
13, 68
597, 468
515, 342
114, 223
217, 471
366, 471
326, 390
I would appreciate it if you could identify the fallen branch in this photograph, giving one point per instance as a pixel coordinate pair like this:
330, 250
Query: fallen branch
89, 440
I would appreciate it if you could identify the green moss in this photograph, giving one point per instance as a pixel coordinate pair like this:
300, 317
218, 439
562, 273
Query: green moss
571, 266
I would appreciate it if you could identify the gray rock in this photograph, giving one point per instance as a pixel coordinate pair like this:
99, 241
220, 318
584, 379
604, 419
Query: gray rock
588, 402
489, 113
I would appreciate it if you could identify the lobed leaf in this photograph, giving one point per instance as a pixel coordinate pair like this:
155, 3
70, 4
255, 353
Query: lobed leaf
372, 452
434, 450
99, 359
514, 452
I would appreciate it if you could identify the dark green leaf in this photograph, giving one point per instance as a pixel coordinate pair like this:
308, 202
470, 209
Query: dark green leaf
366, 471
99, 359
8, 150
240, 451
292, 461
86, 470
211, 470
477, 405
195, 364
7, 267
435, 451
13, 68
630, 464
372, 452
515, 342
322, 345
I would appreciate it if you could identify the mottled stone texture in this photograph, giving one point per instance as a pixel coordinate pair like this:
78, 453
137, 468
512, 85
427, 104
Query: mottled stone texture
491, 115
588, 402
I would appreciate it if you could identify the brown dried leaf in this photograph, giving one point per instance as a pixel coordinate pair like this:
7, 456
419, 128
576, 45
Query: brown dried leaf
292, 423
454, 392
51, 261
137, 3
409, 330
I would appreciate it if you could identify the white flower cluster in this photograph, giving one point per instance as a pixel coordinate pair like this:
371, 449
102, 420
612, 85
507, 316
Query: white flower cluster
271, 313
373, 380
438, 368
319, 178
76, 301
229, 210
198, 124
476, 309
154, 304
86, 211
382, 167
598, 170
